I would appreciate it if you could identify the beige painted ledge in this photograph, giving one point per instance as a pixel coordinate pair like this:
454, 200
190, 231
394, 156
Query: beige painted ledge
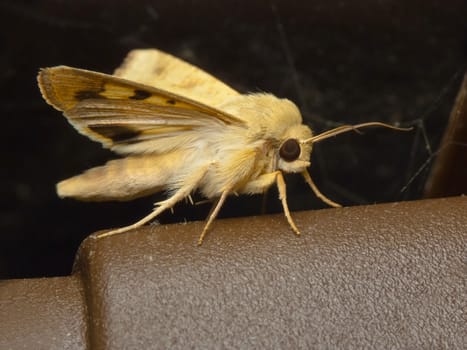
379, 277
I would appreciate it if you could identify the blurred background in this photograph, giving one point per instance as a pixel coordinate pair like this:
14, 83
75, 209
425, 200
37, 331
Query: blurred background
399, 62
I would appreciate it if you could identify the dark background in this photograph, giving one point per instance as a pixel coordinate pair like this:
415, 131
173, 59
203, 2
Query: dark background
340, 61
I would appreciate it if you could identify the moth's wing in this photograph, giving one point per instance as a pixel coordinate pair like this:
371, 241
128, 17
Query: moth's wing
126, 116
162, 70
124, 179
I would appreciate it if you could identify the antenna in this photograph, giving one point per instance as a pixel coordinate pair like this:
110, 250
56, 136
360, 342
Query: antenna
345, 128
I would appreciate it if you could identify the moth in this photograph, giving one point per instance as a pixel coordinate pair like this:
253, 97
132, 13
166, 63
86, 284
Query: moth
180, 130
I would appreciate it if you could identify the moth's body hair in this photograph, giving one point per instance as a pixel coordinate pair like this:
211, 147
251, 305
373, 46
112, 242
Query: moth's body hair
180, 130
234, 156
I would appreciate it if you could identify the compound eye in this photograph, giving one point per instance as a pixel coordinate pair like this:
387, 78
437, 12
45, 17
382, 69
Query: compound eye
290, 150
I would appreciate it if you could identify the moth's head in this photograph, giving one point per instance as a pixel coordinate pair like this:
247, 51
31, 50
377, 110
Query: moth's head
295, 148
293, 155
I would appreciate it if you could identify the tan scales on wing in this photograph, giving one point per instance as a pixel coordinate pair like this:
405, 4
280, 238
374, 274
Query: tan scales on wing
159, 69
90, 100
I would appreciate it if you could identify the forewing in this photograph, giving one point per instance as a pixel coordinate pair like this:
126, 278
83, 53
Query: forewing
120, 113
162, 70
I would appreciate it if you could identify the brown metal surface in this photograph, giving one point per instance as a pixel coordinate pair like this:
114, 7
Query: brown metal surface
42, 313
382, 276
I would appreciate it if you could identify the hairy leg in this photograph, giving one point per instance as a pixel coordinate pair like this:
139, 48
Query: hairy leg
317, 192
181, 193
283, 197
263, 182
213, 215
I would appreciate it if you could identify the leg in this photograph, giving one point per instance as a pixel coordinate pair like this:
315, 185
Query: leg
182, 192
283, 197
266, 180
315, 189
213, 215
